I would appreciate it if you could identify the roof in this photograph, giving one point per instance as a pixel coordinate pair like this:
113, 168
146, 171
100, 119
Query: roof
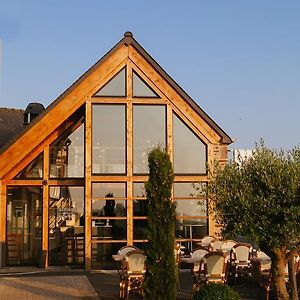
11, 124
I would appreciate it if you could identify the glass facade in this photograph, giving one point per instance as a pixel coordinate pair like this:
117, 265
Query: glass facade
123, 129
108, 138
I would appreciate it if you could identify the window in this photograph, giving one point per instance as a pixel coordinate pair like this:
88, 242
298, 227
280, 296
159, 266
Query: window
189, 150
116, 87
108, 135
141, 88
149, 131
33, 169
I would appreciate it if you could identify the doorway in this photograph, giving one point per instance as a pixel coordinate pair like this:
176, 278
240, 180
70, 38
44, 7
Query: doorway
24, 225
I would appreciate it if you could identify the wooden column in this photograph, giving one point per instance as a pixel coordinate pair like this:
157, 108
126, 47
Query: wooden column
45, 230
170, 132
88, 184
3, 202
129, 150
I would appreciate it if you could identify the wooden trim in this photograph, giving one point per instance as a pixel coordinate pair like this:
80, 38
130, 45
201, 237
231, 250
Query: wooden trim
150, 101
109, 178
108, 218
108, 241
170, 133
25, 182
3, 202
45, 228
129, 214
88, 184
129, 80
104, 100
190, 178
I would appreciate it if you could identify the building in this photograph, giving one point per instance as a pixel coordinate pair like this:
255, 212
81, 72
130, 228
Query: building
72, 181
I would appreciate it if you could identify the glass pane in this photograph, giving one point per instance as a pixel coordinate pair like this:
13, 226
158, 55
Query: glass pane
112, 230
139, 205
108, 206
33, 170
24, 225
141, 88
149, 131
67, 154
102, 255
108, 134
189, 150
116, 87
66, 225
186, 206
140, 229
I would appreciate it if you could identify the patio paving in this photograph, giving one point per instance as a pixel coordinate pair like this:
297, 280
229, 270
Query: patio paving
68, 283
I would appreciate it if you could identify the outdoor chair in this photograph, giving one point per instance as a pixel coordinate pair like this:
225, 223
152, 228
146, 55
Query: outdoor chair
132, 273
240, 259
124, 250
212, 269
205, 241
197, 255
215, 245
228, 245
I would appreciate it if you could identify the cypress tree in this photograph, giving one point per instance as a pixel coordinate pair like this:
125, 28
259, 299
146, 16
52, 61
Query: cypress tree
161, 275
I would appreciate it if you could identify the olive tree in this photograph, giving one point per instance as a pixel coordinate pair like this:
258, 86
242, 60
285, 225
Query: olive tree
161, 274
259, 199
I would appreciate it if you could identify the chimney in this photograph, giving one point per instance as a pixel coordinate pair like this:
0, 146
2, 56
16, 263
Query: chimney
32, 111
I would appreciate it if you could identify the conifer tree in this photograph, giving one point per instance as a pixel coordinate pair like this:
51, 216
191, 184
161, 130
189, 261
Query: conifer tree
161, 275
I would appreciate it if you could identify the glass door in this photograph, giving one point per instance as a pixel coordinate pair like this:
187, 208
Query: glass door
24, 225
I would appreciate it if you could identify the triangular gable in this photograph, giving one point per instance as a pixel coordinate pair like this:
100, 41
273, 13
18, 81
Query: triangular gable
84, 88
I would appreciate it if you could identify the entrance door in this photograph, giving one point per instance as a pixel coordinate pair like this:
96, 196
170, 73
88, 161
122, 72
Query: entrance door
66, 225
24, 225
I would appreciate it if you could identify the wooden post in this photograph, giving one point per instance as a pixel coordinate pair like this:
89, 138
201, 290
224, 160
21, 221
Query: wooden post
3, 202
129, 150
45, 229
88, 184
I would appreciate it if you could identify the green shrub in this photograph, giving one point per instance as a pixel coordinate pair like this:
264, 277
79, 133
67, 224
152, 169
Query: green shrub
214, 291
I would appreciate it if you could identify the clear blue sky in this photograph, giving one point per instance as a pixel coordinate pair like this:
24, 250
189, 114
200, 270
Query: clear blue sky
239, 60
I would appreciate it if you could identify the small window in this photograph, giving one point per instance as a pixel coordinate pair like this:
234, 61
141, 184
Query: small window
141, 88
116, 87
33, 170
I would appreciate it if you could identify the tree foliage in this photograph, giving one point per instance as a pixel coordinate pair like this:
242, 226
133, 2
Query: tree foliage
161, 274
260, 200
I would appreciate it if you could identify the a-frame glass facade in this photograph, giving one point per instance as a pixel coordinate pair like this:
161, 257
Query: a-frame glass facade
84, 187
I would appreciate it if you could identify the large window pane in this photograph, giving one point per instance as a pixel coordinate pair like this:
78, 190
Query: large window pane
67, 153
189, 150
24, 225
108, 133
66, 225
149, 131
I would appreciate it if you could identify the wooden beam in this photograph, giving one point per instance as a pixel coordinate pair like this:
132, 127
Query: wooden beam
170, 132
45, 228
88, 184
3, 202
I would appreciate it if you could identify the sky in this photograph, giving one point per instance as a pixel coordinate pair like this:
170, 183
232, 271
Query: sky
239, 60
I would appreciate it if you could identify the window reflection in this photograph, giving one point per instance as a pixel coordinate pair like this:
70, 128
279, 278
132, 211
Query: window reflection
108, 135
33, 170
67, 153
149, 131
189, 150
